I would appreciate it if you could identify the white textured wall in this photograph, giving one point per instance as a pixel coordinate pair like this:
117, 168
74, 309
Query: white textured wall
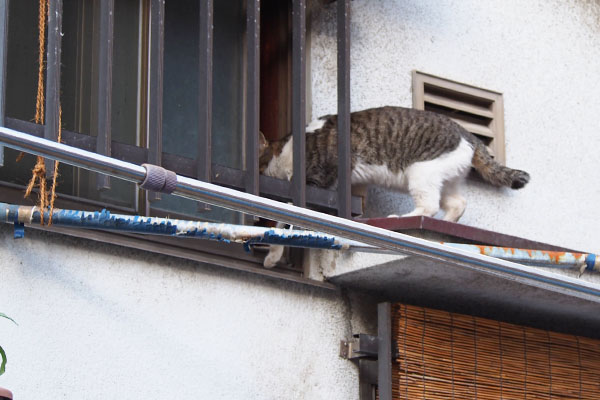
543, 55
99, 321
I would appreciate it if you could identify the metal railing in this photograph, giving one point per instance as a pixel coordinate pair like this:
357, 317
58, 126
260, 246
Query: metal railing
202, 166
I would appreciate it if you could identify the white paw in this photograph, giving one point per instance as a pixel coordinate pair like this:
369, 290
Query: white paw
275, 255
393, 216
270, 261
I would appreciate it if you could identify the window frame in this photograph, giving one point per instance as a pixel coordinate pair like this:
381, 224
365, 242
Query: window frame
320, 199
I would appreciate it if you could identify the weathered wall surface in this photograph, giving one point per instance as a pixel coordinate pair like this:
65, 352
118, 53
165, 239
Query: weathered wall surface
99, 321
544, 56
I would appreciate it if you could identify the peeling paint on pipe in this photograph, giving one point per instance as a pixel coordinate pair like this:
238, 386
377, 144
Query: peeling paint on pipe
251, 235
105, 220
581, 261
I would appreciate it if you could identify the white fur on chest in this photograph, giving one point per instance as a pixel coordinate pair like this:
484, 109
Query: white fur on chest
282, 166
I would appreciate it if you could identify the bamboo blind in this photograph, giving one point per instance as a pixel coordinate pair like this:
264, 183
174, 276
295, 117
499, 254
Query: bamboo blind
442, 355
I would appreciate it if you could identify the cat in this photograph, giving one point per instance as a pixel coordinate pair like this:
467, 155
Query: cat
421, 152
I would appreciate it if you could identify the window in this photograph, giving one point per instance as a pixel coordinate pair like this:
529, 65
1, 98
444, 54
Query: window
479, 111
130, 71
79, 88
131, 100
181, 102
155, 98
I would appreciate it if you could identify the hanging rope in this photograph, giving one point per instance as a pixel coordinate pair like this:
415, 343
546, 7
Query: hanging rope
39, 170
39, 105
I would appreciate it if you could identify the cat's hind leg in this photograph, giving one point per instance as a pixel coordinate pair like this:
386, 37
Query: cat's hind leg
452, 202
426, 203
424, 186
426, 180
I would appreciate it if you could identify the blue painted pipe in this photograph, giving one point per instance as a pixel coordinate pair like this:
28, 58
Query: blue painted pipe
105, 220
251, 235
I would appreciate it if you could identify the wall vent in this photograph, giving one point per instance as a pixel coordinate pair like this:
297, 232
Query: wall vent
479, 111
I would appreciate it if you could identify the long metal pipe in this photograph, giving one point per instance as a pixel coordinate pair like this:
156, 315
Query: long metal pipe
252, 235
248, 235
309, 219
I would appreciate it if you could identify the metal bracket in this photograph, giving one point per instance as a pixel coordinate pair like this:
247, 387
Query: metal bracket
362, 349
359, 346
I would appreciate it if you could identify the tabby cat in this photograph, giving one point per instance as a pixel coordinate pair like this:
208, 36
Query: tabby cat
424, 153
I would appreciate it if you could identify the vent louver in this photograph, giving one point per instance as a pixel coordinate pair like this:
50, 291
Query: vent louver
479, 111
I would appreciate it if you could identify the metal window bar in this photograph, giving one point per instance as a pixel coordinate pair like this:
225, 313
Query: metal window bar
155, 106
299, 101
343, 64
384, 351
205, 71
309, 219
3, 50
53, 60
320, 198
153, 153
252, 94
103, 141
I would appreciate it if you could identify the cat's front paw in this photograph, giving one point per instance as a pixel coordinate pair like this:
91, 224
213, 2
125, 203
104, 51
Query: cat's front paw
393, 216
270, 262
274, 256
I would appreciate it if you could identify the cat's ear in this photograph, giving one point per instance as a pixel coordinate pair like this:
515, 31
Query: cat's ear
263, 143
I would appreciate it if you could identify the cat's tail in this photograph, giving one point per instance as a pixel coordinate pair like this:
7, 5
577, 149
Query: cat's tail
494, 173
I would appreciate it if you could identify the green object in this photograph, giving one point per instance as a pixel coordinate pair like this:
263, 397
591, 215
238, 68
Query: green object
3, 364
2, 353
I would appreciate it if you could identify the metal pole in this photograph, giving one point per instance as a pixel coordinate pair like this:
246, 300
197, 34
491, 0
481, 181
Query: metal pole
309, 219
3, 51
251, 235
53, 66
105, 64
343, 119
299, 102
384, 350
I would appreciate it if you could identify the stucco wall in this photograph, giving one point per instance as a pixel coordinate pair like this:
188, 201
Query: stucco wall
543, 55
99, 321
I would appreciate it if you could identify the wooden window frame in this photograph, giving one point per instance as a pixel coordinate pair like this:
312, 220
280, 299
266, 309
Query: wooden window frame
464, 101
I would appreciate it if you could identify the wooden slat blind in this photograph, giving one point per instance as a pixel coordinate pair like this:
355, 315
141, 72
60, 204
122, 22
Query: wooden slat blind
441, 355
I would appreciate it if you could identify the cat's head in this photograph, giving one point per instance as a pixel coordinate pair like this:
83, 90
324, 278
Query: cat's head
265, 152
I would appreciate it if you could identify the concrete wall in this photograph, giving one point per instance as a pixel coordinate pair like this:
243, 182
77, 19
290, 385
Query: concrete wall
98, 321
543, 55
